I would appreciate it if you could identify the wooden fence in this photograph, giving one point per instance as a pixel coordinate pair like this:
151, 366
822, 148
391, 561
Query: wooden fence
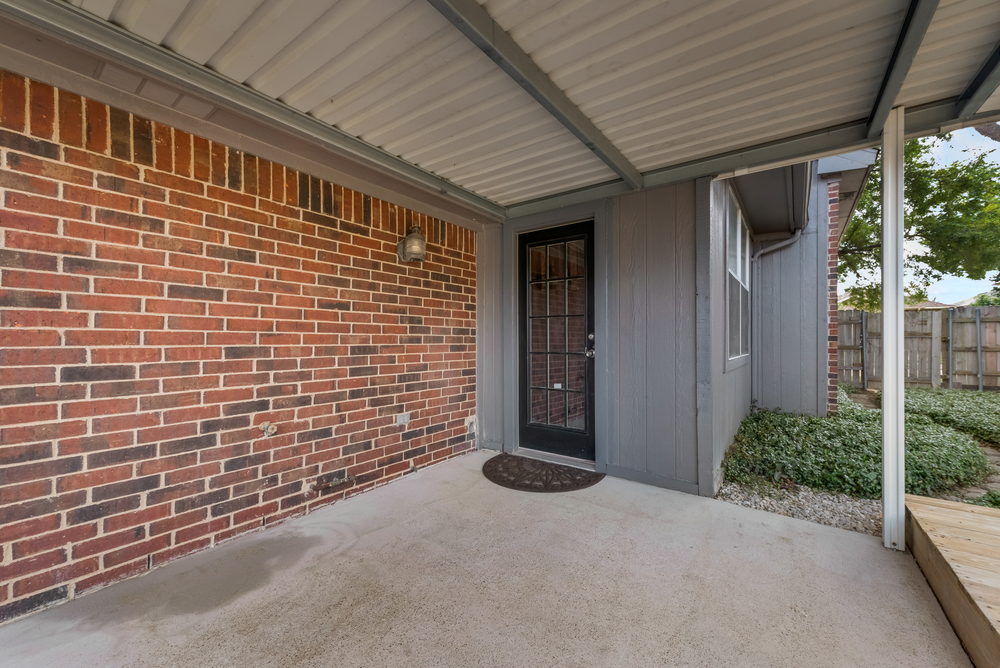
936, 341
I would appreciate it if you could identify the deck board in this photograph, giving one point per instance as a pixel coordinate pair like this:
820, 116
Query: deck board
957, 546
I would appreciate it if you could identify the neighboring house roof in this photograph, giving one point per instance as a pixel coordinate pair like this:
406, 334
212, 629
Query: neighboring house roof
967, 302
929, 304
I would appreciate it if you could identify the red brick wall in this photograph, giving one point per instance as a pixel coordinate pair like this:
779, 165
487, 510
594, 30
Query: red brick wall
161, 296
833, 244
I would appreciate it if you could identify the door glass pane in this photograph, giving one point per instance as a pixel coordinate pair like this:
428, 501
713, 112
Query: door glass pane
557, 372
538, 334
576, 411
538, 263
539, 406
557, 334
557, 408
557, 260
538, 299
557, 297
576, 297
576, 368
576, 334
538, 370
574, 258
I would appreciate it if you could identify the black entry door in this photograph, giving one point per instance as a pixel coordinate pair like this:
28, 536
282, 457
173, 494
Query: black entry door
556, 302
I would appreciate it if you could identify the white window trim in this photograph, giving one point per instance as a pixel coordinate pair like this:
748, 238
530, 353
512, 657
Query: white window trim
738, 361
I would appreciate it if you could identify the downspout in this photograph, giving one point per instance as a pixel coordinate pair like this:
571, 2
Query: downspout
786, 242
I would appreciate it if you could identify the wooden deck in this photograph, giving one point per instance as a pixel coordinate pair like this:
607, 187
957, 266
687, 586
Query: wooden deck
957, 546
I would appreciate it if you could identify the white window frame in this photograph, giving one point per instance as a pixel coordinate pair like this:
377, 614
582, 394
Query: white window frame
742, 276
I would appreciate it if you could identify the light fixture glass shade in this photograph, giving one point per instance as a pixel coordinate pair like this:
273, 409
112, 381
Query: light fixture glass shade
413, 247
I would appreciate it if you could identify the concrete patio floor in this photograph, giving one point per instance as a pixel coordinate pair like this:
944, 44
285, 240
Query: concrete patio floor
444, 568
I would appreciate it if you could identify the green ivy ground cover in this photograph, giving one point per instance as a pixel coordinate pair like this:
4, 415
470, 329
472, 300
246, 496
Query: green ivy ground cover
975, 413
843, 453
991, 500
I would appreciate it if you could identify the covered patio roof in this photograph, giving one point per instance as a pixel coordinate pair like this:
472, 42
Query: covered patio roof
445, 568
505, 108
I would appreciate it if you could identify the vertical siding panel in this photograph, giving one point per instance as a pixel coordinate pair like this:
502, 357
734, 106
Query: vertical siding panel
807, 400
615, 293
661, 288
685, 380
791, 305
632, 330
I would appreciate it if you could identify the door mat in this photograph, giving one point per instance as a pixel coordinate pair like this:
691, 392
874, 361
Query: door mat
532, 475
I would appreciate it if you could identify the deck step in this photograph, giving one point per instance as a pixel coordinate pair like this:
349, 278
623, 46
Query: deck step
957, 546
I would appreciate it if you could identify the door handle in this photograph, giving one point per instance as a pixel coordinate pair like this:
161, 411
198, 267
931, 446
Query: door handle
590, 353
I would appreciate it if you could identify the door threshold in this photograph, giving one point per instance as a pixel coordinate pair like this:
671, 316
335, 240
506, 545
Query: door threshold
552, 458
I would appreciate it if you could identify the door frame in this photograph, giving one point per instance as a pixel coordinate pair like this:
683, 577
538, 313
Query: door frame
600, 212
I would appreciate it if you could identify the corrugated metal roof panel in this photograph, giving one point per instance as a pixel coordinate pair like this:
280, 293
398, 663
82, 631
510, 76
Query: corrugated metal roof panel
958, 42
666, 81
394, 73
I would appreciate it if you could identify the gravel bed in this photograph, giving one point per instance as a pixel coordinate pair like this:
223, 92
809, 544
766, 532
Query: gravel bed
835, 510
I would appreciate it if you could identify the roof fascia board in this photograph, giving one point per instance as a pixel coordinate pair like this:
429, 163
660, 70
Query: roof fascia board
921, 121
918, 18
981, 87
476, 24
69, 23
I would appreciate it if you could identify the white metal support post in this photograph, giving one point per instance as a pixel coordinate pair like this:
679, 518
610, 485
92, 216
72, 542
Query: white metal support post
893, 450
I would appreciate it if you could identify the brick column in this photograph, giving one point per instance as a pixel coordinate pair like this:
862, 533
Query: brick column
833, 242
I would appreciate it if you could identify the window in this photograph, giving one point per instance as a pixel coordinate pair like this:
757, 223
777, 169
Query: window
738, 280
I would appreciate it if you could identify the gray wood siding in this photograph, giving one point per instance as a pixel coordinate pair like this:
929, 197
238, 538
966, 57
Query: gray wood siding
489, 339
790, 318
653, 323
731, 390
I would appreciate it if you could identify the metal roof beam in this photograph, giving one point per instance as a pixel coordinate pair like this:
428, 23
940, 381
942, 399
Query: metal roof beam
983, 85
928, 119
476, 24
918, 19
67, 22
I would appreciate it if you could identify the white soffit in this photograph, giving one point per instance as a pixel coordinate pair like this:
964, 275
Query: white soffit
395, 73
961, 37
671, 82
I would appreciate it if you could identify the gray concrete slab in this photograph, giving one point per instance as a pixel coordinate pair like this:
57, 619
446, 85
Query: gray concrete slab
446, 569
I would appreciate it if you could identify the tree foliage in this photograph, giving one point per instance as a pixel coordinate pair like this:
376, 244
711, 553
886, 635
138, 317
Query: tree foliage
951, 223
991, 298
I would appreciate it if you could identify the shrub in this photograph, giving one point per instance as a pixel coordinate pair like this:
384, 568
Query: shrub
843, 453
991, 499
976, 413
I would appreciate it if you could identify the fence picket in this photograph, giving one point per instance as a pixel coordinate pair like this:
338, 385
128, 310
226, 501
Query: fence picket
926, 354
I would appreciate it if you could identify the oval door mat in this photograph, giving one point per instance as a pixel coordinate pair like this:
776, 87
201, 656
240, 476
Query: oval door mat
532, 475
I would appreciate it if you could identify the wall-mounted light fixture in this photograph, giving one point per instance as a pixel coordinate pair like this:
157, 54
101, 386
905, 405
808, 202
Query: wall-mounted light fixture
413, 247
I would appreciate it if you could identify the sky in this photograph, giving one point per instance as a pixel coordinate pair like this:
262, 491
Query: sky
951, 289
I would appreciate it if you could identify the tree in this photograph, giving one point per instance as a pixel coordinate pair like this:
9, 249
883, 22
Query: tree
951, 223
991, 298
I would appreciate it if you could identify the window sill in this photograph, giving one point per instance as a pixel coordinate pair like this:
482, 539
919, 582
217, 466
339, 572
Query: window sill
736, 363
